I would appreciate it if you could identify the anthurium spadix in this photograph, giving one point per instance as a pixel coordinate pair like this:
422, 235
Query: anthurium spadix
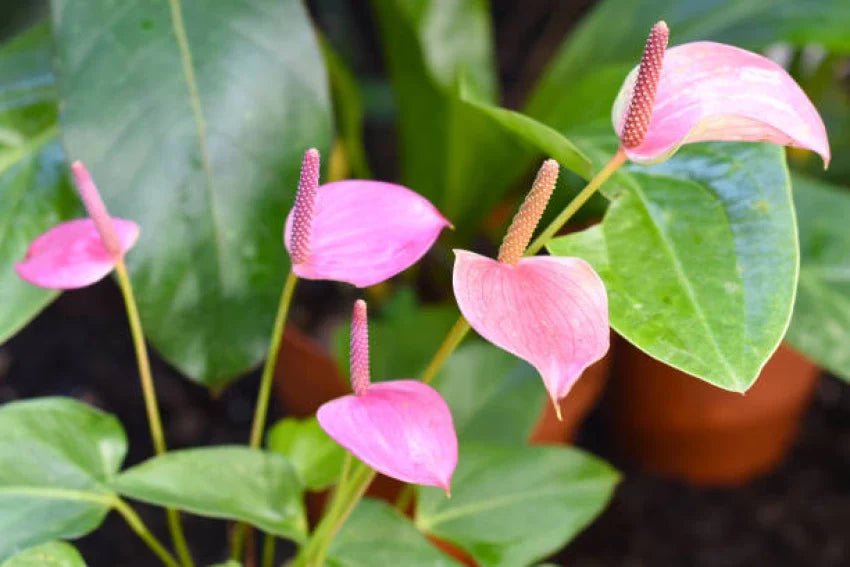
710, 91
357, 231
550, 311
401, 428
79, 252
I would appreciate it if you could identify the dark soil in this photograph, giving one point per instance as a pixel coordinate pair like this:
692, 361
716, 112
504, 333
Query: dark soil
798, 515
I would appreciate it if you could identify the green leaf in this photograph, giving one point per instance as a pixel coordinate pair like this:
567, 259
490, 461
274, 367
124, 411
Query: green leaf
451, 153
699, 257
377, 534
493, 396
51, 554
228, 563
348, 108
34, 186
57, 456
513, 505
402, 337
542, 137
316, 457
614, 33
236, 483
193, 122
820, 327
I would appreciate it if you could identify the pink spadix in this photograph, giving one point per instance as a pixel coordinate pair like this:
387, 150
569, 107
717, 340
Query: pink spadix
357, 231
549, 311
80, 252
707, 91
401, 428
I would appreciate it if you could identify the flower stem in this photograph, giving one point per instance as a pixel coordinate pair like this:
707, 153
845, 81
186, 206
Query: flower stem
149, 394
461, 327
261, 408
595, 183
142, 531
346, 497
268, 550
450, 343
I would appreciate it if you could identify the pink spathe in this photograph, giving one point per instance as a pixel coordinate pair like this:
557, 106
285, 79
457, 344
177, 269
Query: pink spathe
72, 254
402, 429
550, 311
364, 232
712, 91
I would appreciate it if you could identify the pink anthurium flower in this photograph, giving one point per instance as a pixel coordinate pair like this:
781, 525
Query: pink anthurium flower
79, 252
357, 231
710, 91
401, 428
550, 311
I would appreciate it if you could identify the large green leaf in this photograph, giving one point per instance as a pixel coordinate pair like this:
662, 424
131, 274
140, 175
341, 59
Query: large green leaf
820, 327
700, 259
513, 505
56, 459
402, 337
493, 396
609, 41
316, 457
377, 534
193, 122
237, 483
451, 153
51, 554
34, 188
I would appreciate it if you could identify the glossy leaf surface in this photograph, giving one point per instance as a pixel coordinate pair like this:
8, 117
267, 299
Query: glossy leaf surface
34, 187
699, 256
193, 122
377, 534
57, 457
51, 554
512, 505
237, 483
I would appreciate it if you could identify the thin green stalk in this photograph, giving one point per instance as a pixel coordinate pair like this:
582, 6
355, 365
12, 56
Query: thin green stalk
450, 343
268, 550
261, 408
149, 394
405, 497
345, 499
136, 524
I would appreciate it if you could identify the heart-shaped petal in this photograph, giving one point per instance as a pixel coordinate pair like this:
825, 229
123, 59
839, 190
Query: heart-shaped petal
712, 91
550, 311
72, 255
401, 428
364, 232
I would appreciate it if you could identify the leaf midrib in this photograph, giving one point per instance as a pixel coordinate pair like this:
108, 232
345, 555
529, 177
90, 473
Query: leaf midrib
200, 126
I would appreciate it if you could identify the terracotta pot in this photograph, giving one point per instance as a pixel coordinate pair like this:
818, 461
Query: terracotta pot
679, 426
578, 403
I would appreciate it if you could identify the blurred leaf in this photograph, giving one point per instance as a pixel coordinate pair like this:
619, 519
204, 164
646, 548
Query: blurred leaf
228, 563
820, 327
452, 154
542, 137
402, 338
51, 554
193, 122
236, 483
348, 109
513, 505
699, 258
377, 534
34, 187
56, 457
493, 396
609, 41
316, 457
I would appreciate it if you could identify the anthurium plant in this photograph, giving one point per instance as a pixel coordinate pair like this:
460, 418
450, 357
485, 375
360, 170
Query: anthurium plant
204, 129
